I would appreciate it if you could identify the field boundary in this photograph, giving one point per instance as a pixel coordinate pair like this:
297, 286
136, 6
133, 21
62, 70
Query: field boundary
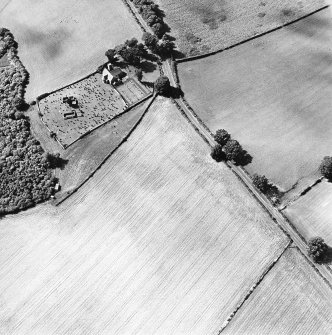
46, 94
191, 58
252, 289
188, 120
303, 193
136, 16
60, 201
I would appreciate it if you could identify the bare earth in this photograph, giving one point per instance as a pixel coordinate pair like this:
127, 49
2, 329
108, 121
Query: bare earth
155, 243
64, 40
272, 94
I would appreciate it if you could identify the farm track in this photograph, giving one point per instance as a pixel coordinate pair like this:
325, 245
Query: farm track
278, 217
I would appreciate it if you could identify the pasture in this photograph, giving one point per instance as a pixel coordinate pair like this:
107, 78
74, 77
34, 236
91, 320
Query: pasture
291, 300
97, 103
201, 26
273, 94
312, 213
62, 41
156, 242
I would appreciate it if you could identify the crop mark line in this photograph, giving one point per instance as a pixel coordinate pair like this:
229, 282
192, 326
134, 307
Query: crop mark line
109, 155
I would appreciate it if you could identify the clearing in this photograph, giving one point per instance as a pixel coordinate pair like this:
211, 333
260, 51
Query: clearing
273, 94
292, 299
59, 43
312, 213
201, 26
156, 242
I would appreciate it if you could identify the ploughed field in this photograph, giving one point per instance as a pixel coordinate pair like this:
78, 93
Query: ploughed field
312, 213
161, 240
201, 26
273, 94
62, 41
292, 299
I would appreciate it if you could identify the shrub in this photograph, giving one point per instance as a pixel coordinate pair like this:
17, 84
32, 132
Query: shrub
139, 74
262, 183
162, 86
325, 167
317, 249
110, 54
221, 136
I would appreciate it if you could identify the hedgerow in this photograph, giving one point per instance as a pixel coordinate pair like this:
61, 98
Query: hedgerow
25, 175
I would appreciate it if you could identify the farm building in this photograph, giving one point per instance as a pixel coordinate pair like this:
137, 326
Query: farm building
112, 75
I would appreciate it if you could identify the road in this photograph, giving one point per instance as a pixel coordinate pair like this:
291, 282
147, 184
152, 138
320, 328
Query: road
285, 225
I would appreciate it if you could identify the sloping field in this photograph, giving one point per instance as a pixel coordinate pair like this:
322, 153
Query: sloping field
292, 299
208, 25
155, 243
272, 94
312, 213
64, 40
84, 156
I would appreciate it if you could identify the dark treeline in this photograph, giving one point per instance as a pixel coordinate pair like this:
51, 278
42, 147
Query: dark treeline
25, 175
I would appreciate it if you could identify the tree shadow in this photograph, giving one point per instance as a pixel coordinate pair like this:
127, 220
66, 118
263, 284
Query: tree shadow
244, 159
62, 162
148, 66
148, 84
178, 54
176, 92
328, 256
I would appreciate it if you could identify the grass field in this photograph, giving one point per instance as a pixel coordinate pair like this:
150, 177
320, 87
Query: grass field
208, 25
155, 243
272, 94
98, 102
292, 299
59, 43
312, 213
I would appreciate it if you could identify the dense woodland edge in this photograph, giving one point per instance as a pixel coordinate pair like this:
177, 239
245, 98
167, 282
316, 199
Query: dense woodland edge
26, 176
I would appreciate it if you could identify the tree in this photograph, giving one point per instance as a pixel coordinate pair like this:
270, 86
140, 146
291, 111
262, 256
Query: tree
262, 183
139, 74
132, 42
233, 151
325, 167
217, 153
151, 42
159, 29
162, 86
166, 48
317, 249
221, 136
110, 54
